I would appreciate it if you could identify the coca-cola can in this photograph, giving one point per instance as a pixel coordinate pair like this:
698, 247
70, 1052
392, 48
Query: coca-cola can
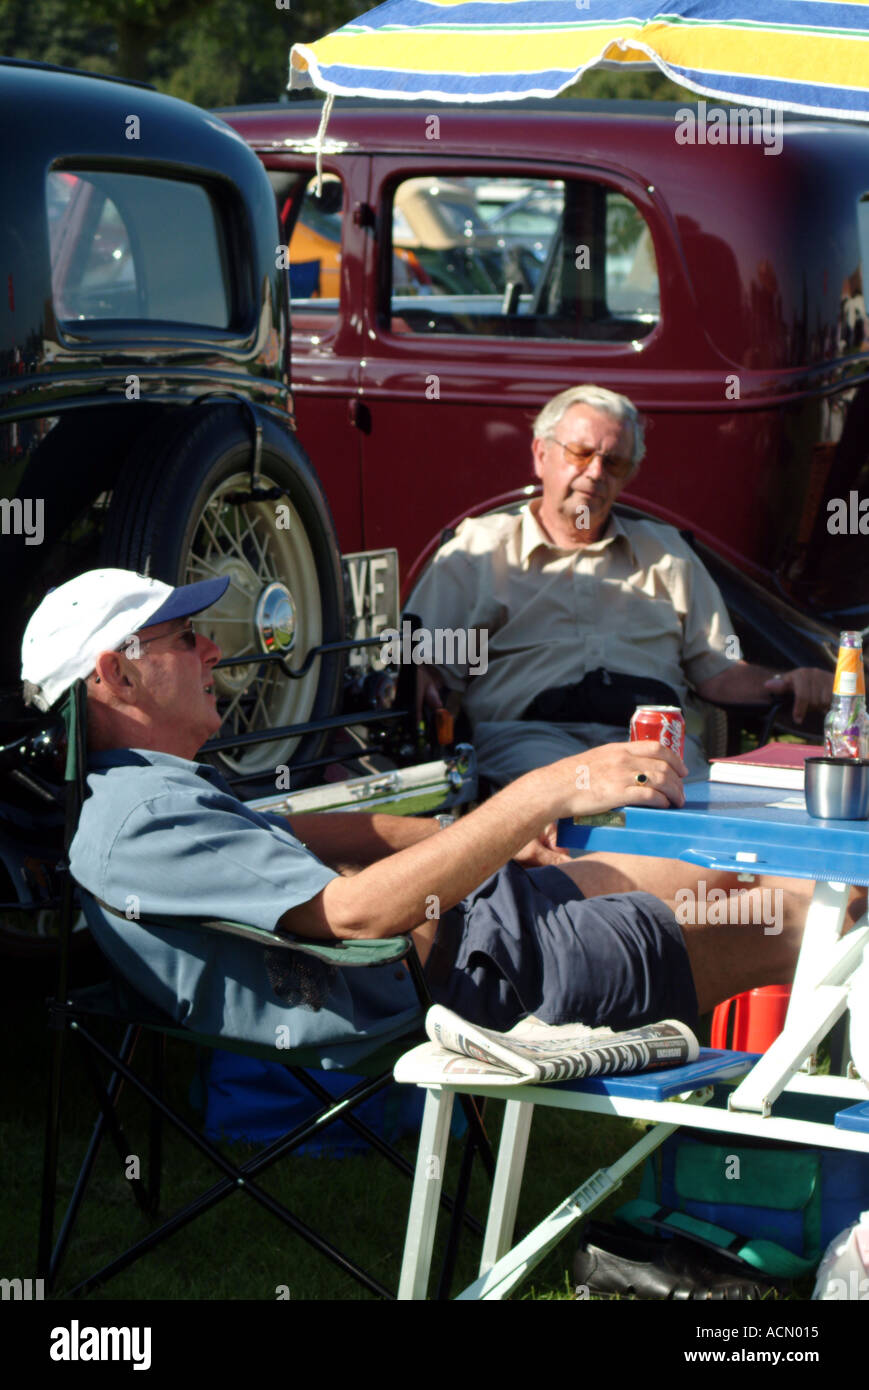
663, 723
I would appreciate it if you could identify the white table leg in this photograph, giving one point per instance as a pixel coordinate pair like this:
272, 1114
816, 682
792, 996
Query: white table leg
425, 1196
507, 1182
818, 1009
823, 929
512, 1268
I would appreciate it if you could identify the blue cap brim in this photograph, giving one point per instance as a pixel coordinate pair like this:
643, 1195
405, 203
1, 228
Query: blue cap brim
188, 599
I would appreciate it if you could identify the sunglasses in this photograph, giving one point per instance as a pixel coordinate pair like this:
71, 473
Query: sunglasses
616, 465
185, 635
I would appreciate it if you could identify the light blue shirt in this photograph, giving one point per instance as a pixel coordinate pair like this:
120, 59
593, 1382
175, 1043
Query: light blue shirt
161, 836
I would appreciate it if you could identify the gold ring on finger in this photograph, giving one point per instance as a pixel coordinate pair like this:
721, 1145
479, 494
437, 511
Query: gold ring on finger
641, 778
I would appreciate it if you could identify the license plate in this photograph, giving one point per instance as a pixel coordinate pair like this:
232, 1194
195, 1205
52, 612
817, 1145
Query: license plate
371, 597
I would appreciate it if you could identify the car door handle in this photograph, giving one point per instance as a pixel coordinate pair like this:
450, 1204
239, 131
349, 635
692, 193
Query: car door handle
359, 415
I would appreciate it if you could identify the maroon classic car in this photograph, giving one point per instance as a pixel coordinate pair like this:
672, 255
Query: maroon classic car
460, 268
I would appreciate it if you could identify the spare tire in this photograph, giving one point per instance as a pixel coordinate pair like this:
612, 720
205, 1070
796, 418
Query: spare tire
182, 510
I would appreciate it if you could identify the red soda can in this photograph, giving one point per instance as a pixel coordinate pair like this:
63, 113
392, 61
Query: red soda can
663, 723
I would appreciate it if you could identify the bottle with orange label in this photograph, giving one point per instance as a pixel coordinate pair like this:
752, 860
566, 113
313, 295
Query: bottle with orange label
846, 727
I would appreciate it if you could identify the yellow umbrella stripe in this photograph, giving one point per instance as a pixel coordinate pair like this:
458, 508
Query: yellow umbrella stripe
459, 50
796, 57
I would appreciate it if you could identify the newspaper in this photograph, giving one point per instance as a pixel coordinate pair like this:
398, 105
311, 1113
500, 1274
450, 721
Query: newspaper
535, 1051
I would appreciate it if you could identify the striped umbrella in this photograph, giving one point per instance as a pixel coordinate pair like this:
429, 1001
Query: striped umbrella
809, 56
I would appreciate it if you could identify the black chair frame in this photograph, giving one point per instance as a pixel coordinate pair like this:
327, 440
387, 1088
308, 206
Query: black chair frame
78, 1011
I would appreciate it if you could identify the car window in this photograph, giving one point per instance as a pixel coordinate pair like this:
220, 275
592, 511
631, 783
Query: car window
130, 246
311, 228
521, 258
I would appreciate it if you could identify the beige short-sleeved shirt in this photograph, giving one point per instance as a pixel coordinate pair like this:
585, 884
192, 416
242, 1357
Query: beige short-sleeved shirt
638, 601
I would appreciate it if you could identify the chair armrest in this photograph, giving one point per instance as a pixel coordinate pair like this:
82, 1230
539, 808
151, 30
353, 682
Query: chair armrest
382, 951
764, 716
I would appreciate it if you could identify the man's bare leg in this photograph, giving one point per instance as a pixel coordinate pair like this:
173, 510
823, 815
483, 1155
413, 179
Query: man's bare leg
748, 939
743, 953
733, 957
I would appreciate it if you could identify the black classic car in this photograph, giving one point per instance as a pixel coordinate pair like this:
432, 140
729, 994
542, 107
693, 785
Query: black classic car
146, 422
145, 410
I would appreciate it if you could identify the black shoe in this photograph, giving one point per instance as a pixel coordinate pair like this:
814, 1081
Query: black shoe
609, 1262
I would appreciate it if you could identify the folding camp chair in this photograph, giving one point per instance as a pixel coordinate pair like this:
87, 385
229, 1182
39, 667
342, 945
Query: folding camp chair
79, 1011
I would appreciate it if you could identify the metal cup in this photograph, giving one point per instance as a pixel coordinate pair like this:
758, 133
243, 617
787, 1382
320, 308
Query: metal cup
837, 788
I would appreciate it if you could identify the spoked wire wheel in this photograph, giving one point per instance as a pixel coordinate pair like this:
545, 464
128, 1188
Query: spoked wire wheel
185, 508
272, 605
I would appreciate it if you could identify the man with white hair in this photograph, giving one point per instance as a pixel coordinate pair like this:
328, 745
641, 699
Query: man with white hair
163, 836
585, 614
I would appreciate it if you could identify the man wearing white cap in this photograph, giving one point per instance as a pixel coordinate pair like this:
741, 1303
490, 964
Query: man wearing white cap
161, 835
99, 610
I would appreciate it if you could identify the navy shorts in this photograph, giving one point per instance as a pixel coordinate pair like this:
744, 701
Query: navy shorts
527, 942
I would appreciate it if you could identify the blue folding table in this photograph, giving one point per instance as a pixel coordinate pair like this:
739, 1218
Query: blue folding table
741, 829
767, 831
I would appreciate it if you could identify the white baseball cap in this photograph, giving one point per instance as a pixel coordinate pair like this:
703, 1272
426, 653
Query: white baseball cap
96, 612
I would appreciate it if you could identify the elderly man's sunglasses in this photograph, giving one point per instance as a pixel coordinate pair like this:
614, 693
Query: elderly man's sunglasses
185, 636
617, 466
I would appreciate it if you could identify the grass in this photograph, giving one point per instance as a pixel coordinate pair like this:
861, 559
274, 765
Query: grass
237, 1250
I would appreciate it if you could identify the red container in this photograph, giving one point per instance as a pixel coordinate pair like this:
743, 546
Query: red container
664, 723
758, 1018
